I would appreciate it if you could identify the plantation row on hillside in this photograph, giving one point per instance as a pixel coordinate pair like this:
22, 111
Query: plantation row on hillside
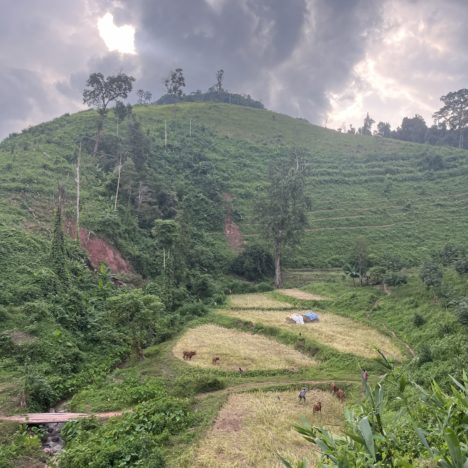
402, 197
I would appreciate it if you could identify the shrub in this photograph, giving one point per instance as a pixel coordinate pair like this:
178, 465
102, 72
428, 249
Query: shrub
376, 275
192, 310
395, 279
418, 320
431, 275
187, 385
462, 311
254, 263
425, 355
446, 329
461, 266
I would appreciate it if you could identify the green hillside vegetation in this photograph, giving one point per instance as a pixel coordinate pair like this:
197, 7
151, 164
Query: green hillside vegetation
405, 198
103, 340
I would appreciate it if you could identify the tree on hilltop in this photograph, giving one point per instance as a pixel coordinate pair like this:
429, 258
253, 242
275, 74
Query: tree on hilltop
366, 129
384, 129
144, 97
454, 113
219, 81
100, 92
175, 82
283, 210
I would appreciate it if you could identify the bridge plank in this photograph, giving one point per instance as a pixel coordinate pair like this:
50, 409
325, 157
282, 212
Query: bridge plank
49, 418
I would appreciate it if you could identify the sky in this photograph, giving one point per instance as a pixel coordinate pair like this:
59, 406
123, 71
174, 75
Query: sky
328, 61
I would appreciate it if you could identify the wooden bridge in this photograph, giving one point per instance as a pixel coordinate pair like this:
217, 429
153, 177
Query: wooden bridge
50, 418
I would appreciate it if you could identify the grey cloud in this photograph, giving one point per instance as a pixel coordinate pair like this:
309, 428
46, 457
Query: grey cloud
291, 54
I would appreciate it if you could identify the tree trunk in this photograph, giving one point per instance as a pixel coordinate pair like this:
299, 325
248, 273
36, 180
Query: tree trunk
118, 184
278, 275
98, 134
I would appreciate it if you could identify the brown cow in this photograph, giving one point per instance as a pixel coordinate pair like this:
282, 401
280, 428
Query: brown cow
215, 360
188, 355
340, 394
333, 388
317, 407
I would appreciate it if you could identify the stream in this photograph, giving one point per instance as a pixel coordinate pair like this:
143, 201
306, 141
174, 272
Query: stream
52, 442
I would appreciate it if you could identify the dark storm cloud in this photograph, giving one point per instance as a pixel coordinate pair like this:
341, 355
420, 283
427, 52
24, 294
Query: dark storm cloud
243, 37
290, 54
298, 56
43, 44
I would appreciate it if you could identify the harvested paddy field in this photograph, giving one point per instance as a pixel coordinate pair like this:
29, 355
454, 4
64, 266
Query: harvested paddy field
302, 295
252, 429
237, 349
340, 333
256, 301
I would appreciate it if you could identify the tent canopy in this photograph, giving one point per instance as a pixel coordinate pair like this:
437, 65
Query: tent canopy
296, 318
311, 316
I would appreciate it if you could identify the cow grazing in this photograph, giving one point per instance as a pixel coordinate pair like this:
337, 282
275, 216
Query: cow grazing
317, 407
333, 388
340, 394
215, 360
188, 355
302, 395
241, 371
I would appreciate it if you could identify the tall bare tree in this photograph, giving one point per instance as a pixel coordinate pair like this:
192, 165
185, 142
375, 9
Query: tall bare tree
283, 209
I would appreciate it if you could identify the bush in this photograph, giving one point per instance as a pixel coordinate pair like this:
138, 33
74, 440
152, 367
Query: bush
376, 275
462, 311
188, 311
461, 266
135, 439
188, 385
431, 275
425, 355
254, 263
418, 320
201, 286
395, 279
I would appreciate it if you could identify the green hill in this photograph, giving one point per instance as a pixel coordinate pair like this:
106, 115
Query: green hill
407, 198
75, 333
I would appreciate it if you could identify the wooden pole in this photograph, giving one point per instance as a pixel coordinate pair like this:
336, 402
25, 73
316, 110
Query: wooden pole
119, 169
165, 133
78, 162
190, 132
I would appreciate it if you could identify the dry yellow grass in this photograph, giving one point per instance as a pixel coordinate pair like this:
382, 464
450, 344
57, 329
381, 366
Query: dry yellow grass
237, 349
256, 301
338, 332
298, 294
253, 428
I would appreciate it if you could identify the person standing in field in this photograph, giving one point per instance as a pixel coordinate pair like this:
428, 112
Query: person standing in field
365, 378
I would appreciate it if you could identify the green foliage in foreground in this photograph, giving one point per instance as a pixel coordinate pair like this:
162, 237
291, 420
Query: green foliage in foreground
135, 439
414, 427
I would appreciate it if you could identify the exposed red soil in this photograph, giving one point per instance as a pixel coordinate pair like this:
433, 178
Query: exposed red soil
99, 251
231, 229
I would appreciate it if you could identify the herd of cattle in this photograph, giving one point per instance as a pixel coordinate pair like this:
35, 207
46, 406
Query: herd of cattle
317, 408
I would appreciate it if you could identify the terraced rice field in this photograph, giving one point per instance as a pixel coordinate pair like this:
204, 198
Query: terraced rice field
298, 294
256, 301
237, 349
340, 333
254, 429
